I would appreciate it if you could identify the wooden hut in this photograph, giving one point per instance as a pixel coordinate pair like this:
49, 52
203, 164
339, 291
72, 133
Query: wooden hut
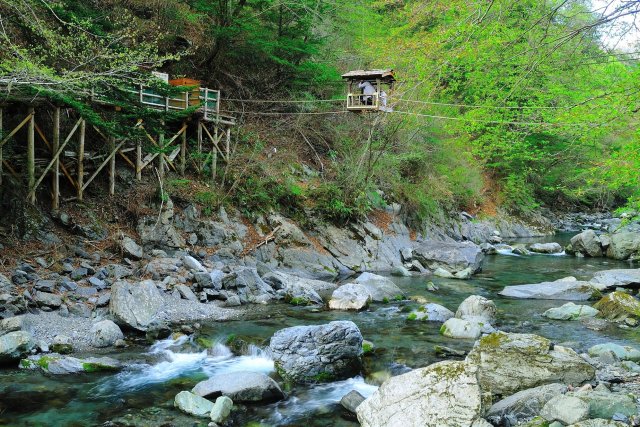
367, 89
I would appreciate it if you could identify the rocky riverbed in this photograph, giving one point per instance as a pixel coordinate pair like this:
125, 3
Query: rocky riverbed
283, 334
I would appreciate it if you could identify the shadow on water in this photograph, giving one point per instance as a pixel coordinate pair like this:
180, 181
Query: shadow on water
143, 393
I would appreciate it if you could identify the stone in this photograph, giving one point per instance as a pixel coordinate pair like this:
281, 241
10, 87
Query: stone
98, 283
559, 290
611, 279
241, 387
508, 363
193, 264
445, 394
380, 288
289, 284
400, 271
546, 248
186, 292
130, 248
79, 273
103, 300
604, 404
46, 299
460, 259
15, 345
621, 352
462, 329
351, 401
624, 245
527, 403
135, 305
117, 271
431, 312
45, 285
193, 404
105, 333
566, 409
618, 306
477, 308
587, 243
317, 353
599, 422
350, 296
570, 311
61, 344
248, 285
56, 364
221, 409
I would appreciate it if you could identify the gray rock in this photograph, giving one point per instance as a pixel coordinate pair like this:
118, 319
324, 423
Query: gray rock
130, 248
566, 409
351, 401
526, 403
287, 282
61, 344
45, 285
351, 296
48, 300
570, 311
211, 280
477, 308
98, 283
431, 312
400, 271
193, 264
461, 260
624, 245
546, 248
79, 273
193, 404
105, 333
241, 387
618, 307
587, 243
621, 352
445, 394
135, 305
103, 299
15, 345
221, 409
186, 292
117, 271
380, 288
611, 279
604, 404
248, 285
461, 329
559, 290
317, 353
62, 365
508, 363
599, 422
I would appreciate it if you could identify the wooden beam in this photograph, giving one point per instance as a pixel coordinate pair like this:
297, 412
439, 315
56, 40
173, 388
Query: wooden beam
31, 157
56, 164
11, 170
216, 141
112, 155
161, 162
138, 160
80, 179
127, 159
17, 128
112, 165
199, 146
183, 148
65, 171
1, 147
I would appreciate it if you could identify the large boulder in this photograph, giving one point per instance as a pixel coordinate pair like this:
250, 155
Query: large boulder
105, 333
610, 279
526, 403
566, 409
546, 248
193, 404
460, 259
380, 288
289, 284
15, 345
618, 306
57, 364
248, 285
135, 305
570, 311
508, 363
317, 353
240, 387
431, 312
460, 328
443, 394
624, 245
351, 296
587, 243
621, 352
477, 308
130, 248
568, 290
604, 404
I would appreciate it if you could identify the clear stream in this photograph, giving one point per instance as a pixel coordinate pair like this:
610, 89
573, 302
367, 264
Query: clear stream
142, 395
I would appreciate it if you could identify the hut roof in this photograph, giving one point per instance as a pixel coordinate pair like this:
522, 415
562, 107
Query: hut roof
369, 74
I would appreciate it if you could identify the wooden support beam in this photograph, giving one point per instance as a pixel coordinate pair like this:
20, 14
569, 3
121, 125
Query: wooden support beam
138, 160
200, 126
214, 156
1, 147
216, 141
80, 179
56, 159
17, 128
11, 170
127, 159
161, 157
31, 157
112, 165
183, 148
65, 171
112, 155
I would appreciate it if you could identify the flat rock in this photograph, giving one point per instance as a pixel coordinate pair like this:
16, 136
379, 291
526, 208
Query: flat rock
460, 259
350, 296
570, 311
380, 288
526, 403
559, 290
566, 409
611, 279
48, 299
621, 352
241, 387
431, 312
186, 292
546, 248
193, 404
445, 394
57, 364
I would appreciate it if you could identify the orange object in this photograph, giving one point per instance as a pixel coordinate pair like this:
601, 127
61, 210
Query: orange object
185, 82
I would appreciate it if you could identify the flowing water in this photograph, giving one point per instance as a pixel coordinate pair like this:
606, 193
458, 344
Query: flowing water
143, 393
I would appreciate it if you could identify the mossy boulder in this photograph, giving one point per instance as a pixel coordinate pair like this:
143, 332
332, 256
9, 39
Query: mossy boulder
15, 345
618, 306
57, 364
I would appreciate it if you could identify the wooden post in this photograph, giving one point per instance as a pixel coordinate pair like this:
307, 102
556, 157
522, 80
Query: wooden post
112, 167
183, 151
56, 165
138, 160
199, 146
228, 143
0, 146
214, 156
161, 162
31, 156
80, 179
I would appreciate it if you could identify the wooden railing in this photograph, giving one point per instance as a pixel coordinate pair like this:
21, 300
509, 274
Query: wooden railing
363, 102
